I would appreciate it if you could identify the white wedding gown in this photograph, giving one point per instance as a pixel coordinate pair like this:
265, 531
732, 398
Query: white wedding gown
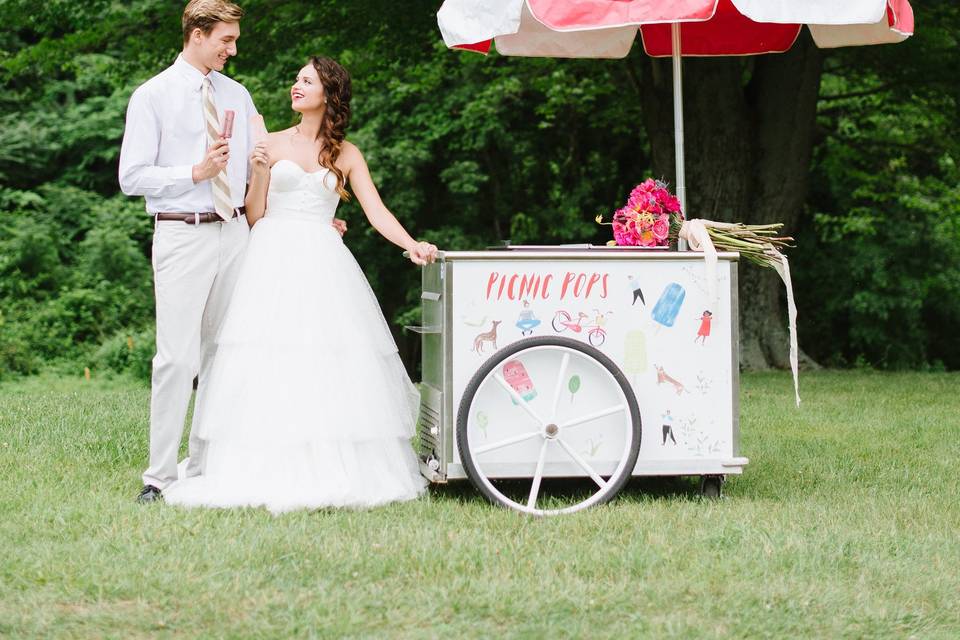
308, 404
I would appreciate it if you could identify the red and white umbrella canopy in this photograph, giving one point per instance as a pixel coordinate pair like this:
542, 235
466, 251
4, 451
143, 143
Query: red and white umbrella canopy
607, 28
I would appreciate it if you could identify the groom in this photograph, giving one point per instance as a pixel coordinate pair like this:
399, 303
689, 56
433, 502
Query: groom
194, 180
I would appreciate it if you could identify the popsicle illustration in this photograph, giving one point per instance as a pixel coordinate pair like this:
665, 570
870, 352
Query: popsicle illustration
635, 353
573, 385
667, 307
482, 422
228, 117
516, 376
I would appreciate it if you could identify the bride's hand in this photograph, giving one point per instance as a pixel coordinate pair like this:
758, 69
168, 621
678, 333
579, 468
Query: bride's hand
260, 160
340, 226
422, 253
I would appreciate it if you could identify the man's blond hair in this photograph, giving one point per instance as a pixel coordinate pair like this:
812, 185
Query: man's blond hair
205, 14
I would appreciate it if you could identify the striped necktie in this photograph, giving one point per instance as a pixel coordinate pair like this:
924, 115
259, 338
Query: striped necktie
222, 202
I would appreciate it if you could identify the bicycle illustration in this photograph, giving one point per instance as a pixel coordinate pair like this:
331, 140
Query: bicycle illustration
596, 334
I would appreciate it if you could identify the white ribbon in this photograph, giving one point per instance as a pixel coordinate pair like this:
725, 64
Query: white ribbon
783, 268
696, 234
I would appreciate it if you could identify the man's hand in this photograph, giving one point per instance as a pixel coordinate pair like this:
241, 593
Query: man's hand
213, 163
340, 226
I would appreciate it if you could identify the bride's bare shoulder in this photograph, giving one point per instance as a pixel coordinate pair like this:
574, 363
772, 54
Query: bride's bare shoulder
349, 152
349, 157
277, 141
275, 137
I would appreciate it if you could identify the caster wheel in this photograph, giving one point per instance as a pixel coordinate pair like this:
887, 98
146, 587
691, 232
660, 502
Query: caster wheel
711, 486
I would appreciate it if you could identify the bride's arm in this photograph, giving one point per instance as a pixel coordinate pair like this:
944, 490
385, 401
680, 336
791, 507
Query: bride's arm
256, 198
355, 170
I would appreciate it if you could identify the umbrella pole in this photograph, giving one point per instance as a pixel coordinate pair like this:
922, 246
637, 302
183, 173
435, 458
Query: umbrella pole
678, 121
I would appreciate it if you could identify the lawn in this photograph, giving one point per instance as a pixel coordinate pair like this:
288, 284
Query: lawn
844, 525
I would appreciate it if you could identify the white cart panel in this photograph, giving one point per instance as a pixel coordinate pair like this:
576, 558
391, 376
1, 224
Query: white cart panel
648, 312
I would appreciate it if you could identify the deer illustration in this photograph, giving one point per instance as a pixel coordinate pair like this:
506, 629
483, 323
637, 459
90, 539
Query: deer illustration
662, 377
486, 336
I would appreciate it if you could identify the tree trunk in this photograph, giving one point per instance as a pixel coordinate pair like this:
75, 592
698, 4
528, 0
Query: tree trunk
749, 139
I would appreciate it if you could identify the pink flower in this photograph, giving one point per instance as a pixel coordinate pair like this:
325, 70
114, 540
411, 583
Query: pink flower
642, 189
620, 237
661, 228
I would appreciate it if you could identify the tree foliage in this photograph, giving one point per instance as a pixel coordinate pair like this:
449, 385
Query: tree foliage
468, 152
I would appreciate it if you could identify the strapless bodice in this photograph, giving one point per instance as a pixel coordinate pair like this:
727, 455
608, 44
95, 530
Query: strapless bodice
305, 195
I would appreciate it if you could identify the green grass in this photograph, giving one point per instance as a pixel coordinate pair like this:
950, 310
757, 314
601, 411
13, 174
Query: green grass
844, 525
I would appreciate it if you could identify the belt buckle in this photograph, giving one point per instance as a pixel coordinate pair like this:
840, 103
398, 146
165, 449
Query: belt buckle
196, 219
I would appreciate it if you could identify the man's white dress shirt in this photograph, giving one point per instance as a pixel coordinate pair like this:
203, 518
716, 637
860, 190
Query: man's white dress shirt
166, 135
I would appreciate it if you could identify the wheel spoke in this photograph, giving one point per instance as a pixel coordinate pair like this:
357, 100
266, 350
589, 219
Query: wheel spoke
594, 416
559, 389
537, 476
518, 398
583, 464
506, 443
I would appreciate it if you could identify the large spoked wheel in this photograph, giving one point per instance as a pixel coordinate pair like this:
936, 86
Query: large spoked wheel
547, 408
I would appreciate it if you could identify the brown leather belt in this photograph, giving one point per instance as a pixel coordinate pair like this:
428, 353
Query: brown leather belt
197, 218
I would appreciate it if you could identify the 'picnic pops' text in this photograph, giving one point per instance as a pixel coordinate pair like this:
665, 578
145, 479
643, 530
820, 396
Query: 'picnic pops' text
516, 286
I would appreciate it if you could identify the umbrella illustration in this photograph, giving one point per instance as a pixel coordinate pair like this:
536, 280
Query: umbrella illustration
675, 28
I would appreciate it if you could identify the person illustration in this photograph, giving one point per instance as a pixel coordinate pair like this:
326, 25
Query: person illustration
637, 291
527, 321
704, 331
667, 427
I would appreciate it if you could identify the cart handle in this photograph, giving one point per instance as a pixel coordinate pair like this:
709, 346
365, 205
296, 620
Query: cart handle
424, 330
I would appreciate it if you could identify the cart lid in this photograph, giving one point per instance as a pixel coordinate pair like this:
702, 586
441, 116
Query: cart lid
578, 252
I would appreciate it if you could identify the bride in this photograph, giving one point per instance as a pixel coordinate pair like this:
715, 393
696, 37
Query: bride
308, 403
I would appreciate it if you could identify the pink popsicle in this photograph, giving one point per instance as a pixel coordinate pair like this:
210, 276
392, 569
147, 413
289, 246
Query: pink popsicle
228, 116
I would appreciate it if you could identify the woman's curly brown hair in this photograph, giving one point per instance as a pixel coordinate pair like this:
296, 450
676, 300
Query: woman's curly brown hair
336, 117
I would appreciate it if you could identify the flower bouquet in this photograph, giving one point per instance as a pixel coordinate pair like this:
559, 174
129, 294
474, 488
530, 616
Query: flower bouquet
647, 217
652, 217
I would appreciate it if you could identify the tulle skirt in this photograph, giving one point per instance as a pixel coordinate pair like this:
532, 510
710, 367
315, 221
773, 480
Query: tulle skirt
308, 404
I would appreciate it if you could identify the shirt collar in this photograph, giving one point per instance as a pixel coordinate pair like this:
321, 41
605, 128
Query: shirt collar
192, 74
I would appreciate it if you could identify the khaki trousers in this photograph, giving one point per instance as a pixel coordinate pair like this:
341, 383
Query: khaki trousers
195, 270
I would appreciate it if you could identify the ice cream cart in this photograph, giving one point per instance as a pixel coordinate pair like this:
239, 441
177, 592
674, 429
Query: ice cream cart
600, 363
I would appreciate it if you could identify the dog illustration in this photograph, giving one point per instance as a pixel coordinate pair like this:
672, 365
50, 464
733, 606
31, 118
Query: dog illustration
662, 377
486, 336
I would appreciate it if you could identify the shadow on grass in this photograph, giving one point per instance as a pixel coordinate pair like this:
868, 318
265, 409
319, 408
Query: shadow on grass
662, 487
568, 491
